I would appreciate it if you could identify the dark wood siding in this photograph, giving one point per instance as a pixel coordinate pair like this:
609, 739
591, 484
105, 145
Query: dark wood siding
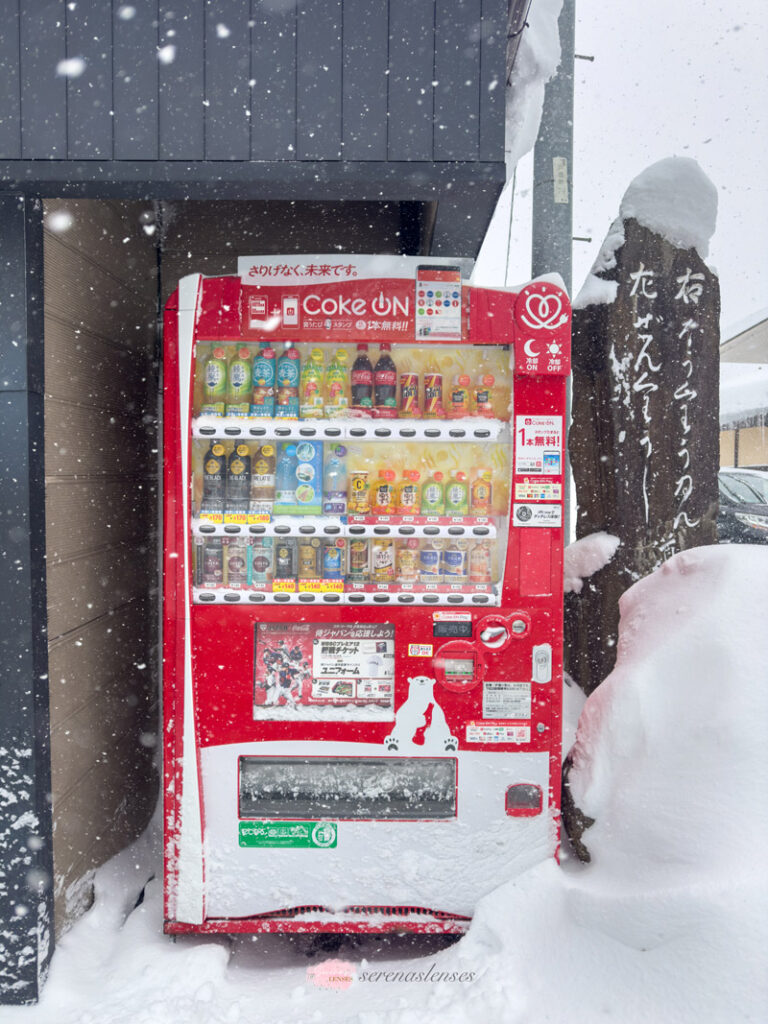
233, 81
101, 532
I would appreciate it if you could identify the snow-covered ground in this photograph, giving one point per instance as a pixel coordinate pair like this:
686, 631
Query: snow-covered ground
667, 924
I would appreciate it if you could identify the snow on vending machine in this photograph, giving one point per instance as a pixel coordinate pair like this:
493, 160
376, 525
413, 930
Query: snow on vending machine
363, 541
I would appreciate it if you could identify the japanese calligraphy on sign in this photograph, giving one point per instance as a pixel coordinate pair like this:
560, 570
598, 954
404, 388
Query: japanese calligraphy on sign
645, 436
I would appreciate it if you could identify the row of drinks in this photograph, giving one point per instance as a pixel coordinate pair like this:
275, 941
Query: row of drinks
241, 563
266, 384
291, 479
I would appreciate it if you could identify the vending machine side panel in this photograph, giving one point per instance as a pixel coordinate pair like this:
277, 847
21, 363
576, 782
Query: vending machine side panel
183, 823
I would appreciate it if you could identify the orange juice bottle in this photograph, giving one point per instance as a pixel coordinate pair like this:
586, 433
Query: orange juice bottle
383, 498
408, 494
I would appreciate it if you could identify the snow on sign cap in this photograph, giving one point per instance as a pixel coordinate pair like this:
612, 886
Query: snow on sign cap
675, 198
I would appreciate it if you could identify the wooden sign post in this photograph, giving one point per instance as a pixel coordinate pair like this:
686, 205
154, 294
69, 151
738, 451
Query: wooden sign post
644, 437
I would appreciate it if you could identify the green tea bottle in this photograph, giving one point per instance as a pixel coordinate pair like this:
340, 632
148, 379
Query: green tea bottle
433, 496
214, 384
239, 380
457, 495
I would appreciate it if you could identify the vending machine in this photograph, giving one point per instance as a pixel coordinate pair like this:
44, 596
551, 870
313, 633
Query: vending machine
363, 543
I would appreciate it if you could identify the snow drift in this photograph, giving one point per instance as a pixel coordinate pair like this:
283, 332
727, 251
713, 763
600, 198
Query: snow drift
668, 924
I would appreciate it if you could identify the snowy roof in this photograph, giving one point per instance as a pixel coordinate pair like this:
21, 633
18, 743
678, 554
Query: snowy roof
747, 340
743, 392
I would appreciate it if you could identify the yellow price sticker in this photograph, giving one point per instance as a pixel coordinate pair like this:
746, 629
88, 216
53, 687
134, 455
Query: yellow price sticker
283, 586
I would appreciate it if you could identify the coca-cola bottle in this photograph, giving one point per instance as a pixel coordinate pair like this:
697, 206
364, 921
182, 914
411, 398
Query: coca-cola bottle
385, 384
362, 382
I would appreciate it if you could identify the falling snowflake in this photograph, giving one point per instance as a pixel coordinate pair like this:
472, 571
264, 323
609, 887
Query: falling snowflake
71, 68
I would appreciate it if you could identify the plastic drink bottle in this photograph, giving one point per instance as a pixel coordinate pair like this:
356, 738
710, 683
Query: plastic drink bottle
311, 390
408, 561
481, 494
285, 558
362, 382
214, 478
430, 561
335, 482
383, 560
236, 562
383, 503
285, 476
385, 384
263, 383
238, 479
459, 396
287, 375
433, 391
333, 559
483, 392
433, 496
480, 562
263, 478
309, 558
457, 495
358, 568
407, 494
239, 378
262, 554
455, 562
337, 385
214, 384
210, 562
359, 492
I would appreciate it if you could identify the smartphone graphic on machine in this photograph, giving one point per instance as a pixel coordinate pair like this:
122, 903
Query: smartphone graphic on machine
438, 302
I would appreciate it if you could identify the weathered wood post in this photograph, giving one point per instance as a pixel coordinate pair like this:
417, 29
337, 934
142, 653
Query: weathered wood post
644, 437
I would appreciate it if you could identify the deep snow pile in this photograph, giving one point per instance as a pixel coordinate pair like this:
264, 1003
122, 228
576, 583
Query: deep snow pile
668, 924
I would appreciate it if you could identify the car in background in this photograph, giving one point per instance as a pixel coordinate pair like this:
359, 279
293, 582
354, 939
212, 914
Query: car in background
743, 516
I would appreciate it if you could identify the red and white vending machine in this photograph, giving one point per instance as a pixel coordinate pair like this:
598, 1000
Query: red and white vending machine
363, 545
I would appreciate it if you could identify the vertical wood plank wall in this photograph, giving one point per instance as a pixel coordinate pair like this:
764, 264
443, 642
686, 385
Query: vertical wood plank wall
232, 80
101, 524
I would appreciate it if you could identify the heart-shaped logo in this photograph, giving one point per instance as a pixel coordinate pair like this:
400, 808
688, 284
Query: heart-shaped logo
543, 311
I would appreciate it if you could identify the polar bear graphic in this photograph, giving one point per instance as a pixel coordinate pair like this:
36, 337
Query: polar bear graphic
420, 725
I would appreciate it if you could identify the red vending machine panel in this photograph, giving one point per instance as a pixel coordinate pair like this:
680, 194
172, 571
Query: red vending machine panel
363, 543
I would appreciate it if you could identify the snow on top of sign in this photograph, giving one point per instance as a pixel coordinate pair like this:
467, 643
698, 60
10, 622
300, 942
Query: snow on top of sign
537, 60
743, 391
675, 198
672, 197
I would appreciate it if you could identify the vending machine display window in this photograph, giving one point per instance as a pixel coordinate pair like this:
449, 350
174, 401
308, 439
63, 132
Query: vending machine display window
348, 788
348, 476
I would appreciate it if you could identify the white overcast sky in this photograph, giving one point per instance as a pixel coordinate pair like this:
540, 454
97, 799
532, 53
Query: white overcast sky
669, 78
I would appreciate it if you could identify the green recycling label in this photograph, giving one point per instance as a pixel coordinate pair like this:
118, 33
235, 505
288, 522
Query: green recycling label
315, 835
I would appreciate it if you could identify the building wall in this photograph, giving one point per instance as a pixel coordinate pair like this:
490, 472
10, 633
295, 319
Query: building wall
744, 446
351, 80
101, 299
